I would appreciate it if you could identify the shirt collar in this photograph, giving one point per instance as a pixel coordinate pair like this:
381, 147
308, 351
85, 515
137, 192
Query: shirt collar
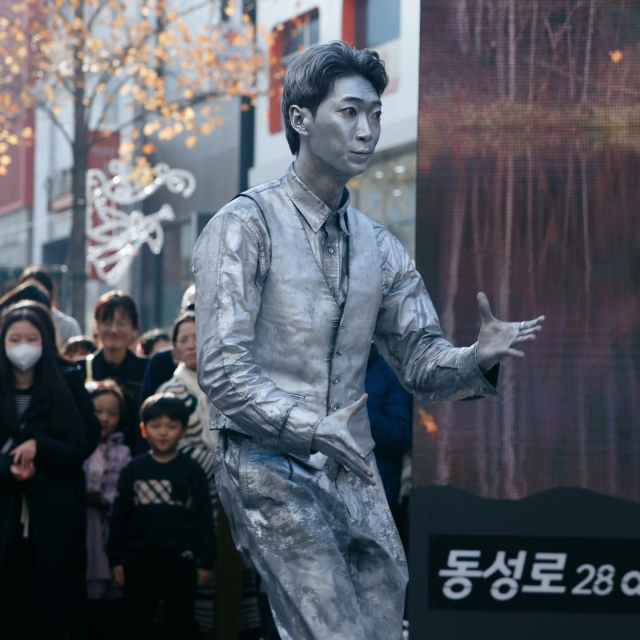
314, 211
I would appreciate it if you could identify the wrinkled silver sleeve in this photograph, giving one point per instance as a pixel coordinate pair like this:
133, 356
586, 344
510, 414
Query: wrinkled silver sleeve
409, 335
230, 262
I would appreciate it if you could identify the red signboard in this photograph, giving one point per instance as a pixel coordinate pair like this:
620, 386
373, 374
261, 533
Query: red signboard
16, 187
103, 151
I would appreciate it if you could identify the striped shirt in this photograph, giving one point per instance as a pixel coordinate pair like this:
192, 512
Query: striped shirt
23, 398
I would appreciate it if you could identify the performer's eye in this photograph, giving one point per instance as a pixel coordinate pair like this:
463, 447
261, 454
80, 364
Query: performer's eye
349, 112
377, 115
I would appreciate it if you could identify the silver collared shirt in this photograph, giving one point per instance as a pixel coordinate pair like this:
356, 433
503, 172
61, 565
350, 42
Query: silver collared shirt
327, 231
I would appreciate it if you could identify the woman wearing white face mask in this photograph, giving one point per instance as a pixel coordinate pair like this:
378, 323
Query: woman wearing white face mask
42, 441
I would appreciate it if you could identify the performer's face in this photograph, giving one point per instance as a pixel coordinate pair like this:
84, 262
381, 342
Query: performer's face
346, 128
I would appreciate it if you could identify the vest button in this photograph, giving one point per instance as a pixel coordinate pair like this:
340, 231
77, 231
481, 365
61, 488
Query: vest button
330, 249
335, 380
333, 407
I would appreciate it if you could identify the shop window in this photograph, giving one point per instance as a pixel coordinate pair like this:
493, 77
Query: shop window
386, 192
289, 39
370, 23
175, 271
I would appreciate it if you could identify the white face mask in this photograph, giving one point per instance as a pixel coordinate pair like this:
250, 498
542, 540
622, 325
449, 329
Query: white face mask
24, 356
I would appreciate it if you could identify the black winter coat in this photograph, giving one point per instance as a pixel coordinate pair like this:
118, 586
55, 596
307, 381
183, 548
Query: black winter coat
52, 505
84, 402
74, 378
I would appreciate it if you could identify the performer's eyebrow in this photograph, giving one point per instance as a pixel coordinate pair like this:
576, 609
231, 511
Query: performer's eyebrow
377, 103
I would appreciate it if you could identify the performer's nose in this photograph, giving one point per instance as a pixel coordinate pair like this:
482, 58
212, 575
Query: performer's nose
364, 131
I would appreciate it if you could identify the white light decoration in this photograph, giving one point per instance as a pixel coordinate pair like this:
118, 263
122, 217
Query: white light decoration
118, 236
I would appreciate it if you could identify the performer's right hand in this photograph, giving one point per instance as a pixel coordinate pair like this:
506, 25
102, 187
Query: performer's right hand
332, 438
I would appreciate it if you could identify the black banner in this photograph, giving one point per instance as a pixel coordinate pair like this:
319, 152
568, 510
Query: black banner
498, 573
561, 564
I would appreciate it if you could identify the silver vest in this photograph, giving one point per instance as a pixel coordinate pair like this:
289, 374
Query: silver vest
304, 342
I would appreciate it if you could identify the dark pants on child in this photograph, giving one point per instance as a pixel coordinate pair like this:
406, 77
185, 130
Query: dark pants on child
154, 577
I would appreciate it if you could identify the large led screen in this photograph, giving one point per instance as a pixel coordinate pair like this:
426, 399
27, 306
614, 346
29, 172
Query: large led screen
529, 190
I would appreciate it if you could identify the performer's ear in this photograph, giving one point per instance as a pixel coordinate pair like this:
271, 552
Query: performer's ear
298, 116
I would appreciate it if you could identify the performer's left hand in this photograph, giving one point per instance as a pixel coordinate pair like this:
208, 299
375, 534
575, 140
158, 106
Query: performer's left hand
332, 438
499, 339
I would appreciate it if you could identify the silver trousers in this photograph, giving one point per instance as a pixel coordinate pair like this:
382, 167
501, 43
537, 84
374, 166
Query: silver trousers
324, 543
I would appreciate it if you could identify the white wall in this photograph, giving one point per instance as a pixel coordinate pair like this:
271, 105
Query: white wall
400, 108
52, 153
14, 238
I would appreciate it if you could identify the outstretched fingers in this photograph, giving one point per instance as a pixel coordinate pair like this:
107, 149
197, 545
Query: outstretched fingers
522, 340
527, 332
355, 461
361, 469
485, 308
532, 324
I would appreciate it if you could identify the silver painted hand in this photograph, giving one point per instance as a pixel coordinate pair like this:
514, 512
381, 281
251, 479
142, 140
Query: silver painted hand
499, 339
332, 438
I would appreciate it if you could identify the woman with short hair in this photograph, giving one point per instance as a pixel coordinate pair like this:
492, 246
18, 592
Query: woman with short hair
117, 323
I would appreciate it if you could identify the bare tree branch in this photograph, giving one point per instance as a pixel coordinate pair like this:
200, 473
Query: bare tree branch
587, 55
512, 50
96, 13
592, 83
189, 10
132, 45
109, 102
532, 50
52, 116
176, 107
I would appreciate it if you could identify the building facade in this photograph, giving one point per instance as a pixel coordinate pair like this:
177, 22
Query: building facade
386, 191
52, 204
157, 282
160, 280
16, 180
16, 208
249, 148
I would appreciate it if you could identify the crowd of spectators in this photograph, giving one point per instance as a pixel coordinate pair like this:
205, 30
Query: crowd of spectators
108, 502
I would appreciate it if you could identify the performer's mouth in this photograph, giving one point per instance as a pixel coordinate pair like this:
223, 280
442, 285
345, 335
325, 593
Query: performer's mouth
362, 154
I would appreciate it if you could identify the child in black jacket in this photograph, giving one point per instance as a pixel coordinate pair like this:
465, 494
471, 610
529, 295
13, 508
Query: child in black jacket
162, 542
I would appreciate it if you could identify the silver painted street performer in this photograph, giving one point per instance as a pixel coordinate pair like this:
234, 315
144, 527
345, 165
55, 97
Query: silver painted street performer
292, 285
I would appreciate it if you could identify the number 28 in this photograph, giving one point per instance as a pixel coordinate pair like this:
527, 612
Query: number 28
603, 584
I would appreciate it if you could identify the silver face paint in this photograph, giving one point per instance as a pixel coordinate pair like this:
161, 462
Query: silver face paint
346, 127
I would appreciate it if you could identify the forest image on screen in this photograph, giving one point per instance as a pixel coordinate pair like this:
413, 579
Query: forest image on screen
529, 190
